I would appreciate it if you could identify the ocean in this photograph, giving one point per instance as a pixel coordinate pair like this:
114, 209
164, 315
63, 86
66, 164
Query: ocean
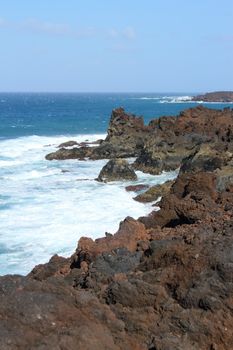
46, 206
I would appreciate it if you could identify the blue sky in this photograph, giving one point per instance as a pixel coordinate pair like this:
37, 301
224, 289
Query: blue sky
114, 46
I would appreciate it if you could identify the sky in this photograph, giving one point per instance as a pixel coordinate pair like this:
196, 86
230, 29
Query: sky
116, 45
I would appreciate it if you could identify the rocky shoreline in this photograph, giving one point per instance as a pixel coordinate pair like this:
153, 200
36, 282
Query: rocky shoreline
217, 96
162, 282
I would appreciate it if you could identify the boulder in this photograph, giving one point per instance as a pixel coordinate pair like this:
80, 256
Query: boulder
154, 192
117, 170
73, 153
136, 188
68, 144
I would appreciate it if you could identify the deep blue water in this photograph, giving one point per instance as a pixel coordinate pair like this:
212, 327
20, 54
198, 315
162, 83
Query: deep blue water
44, 210
47, 114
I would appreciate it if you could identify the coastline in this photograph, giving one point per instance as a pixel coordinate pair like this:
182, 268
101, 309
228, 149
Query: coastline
162, 281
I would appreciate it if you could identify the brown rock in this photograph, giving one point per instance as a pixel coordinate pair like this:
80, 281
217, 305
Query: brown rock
217, 96
136, 188
154, 192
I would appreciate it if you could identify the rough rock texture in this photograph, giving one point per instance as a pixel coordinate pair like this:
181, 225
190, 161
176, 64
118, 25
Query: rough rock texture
217, 96
68, 144
125, 138
137, 188
174, 138
154, 192
70, 153
164, 143
117, 170
163, 282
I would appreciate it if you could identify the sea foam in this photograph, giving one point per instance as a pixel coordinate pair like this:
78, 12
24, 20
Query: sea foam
46, 206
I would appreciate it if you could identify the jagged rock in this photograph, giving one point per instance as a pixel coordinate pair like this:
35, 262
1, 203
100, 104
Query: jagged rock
164, 143
166, 287
73, 153
160, 282
125, 138
174, 138
205, 158
117, 170
136, 188
68, 144
154, 192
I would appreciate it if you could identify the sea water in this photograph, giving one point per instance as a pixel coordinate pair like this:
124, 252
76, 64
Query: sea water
46, 206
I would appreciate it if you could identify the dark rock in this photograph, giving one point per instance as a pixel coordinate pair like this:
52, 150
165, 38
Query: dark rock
160, 282
205, 158
154, 192
117, 170
217, 96
68, 144
73, 153
136, 188
172, 139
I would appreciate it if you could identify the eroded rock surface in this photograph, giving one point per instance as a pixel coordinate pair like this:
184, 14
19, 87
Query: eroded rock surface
117, 170
154, 192
164, 143
162, 282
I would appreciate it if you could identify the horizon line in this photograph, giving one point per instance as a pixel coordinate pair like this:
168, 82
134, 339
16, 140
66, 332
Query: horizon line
105, 92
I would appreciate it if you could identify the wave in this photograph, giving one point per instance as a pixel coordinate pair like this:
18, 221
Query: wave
145, 98
166, 99
47, 206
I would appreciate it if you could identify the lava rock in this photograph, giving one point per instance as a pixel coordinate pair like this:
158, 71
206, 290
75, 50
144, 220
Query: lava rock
117, 170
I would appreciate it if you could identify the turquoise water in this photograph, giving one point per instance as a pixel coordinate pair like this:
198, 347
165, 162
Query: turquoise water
44, 210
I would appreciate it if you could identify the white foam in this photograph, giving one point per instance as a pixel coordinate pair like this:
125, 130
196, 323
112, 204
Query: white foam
146, 98
44, 211
177, 99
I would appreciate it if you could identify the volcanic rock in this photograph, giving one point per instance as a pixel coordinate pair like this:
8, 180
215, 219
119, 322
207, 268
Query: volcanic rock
217, 96
206, 158
174, 138
163, 144
154, 192
68, 144
161, 282
136, 188
165, 287
73, 153
117, 170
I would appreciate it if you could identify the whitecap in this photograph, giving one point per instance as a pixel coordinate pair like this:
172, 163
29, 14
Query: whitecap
45, 211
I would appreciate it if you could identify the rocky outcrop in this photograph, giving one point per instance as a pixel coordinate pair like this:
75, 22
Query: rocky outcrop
63, 153
217, 96
163, 144
163, 284
117, 170
68, 144
175, 138
154, 192
125, 138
